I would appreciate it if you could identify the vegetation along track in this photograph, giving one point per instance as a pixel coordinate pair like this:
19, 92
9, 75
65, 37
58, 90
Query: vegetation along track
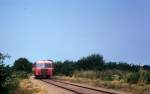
78, 89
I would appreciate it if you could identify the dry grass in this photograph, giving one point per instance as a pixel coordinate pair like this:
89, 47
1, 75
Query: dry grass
116, 84
26, 87
145, 89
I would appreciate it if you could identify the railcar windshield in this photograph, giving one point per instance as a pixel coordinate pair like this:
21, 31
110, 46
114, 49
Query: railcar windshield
43, 65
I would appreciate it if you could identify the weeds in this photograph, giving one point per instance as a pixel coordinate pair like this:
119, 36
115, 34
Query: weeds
135, 82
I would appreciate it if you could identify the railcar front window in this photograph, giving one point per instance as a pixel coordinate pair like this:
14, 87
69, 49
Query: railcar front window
40, 65
43, 65
47, 65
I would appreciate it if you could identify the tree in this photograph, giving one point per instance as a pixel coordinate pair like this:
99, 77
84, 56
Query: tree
57, 67
67, 68
2, 56
64, 68
22, 64
92, 62
146, 67
111, 65
4, 71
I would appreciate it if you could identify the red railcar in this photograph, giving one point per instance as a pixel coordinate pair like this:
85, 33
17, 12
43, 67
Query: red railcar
43, 68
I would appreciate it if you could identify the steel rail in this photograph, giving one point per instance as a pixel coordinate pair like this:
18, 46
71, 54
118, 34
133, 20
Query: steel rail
55, 83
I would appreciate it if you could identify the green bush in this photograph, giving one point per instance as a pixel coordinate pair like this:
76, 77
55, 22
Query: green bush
12, 82
141, 77
87, 74
133, 77
110, 75
20, 74
10, 85
146, 77
107, 75
108, 78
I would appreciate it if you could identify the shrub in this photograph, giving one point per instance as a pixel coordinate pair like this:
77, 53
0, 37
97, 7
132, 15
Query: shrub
147, 77
10, 84
108, 78
20, 74
133, 77
107, 75
110, 75
87, 74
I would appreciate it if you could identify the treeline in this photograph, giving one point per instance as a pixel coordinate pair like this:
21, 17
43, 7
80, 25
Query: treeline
92, 66
10, 76
92, 62
95, 67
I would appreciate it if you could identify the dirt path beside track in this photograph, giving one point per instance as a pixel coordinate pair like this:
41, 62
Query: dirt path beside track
49, 89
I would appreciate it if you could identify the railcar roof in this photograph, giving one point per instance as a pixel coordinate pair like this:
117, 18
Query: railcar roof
44, 61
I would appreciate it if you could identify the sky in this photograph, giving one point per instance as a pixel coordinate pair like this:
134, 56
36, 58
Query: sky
70, 29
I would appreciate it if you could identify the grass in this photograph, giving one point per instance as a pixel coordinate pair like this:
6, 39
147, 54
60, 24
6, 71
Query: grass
113, 79
26, 87
19, 82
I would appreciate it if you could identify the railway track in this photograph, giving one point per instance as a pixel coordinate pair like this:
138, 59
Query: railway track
77, 89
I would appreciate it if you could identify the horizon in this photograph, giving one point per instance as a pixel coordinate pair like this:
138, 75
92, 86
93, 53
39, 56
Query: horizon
69, 30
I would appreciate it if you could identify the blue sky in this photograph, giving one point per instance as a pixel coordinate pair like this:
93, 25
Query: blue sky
71, 29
